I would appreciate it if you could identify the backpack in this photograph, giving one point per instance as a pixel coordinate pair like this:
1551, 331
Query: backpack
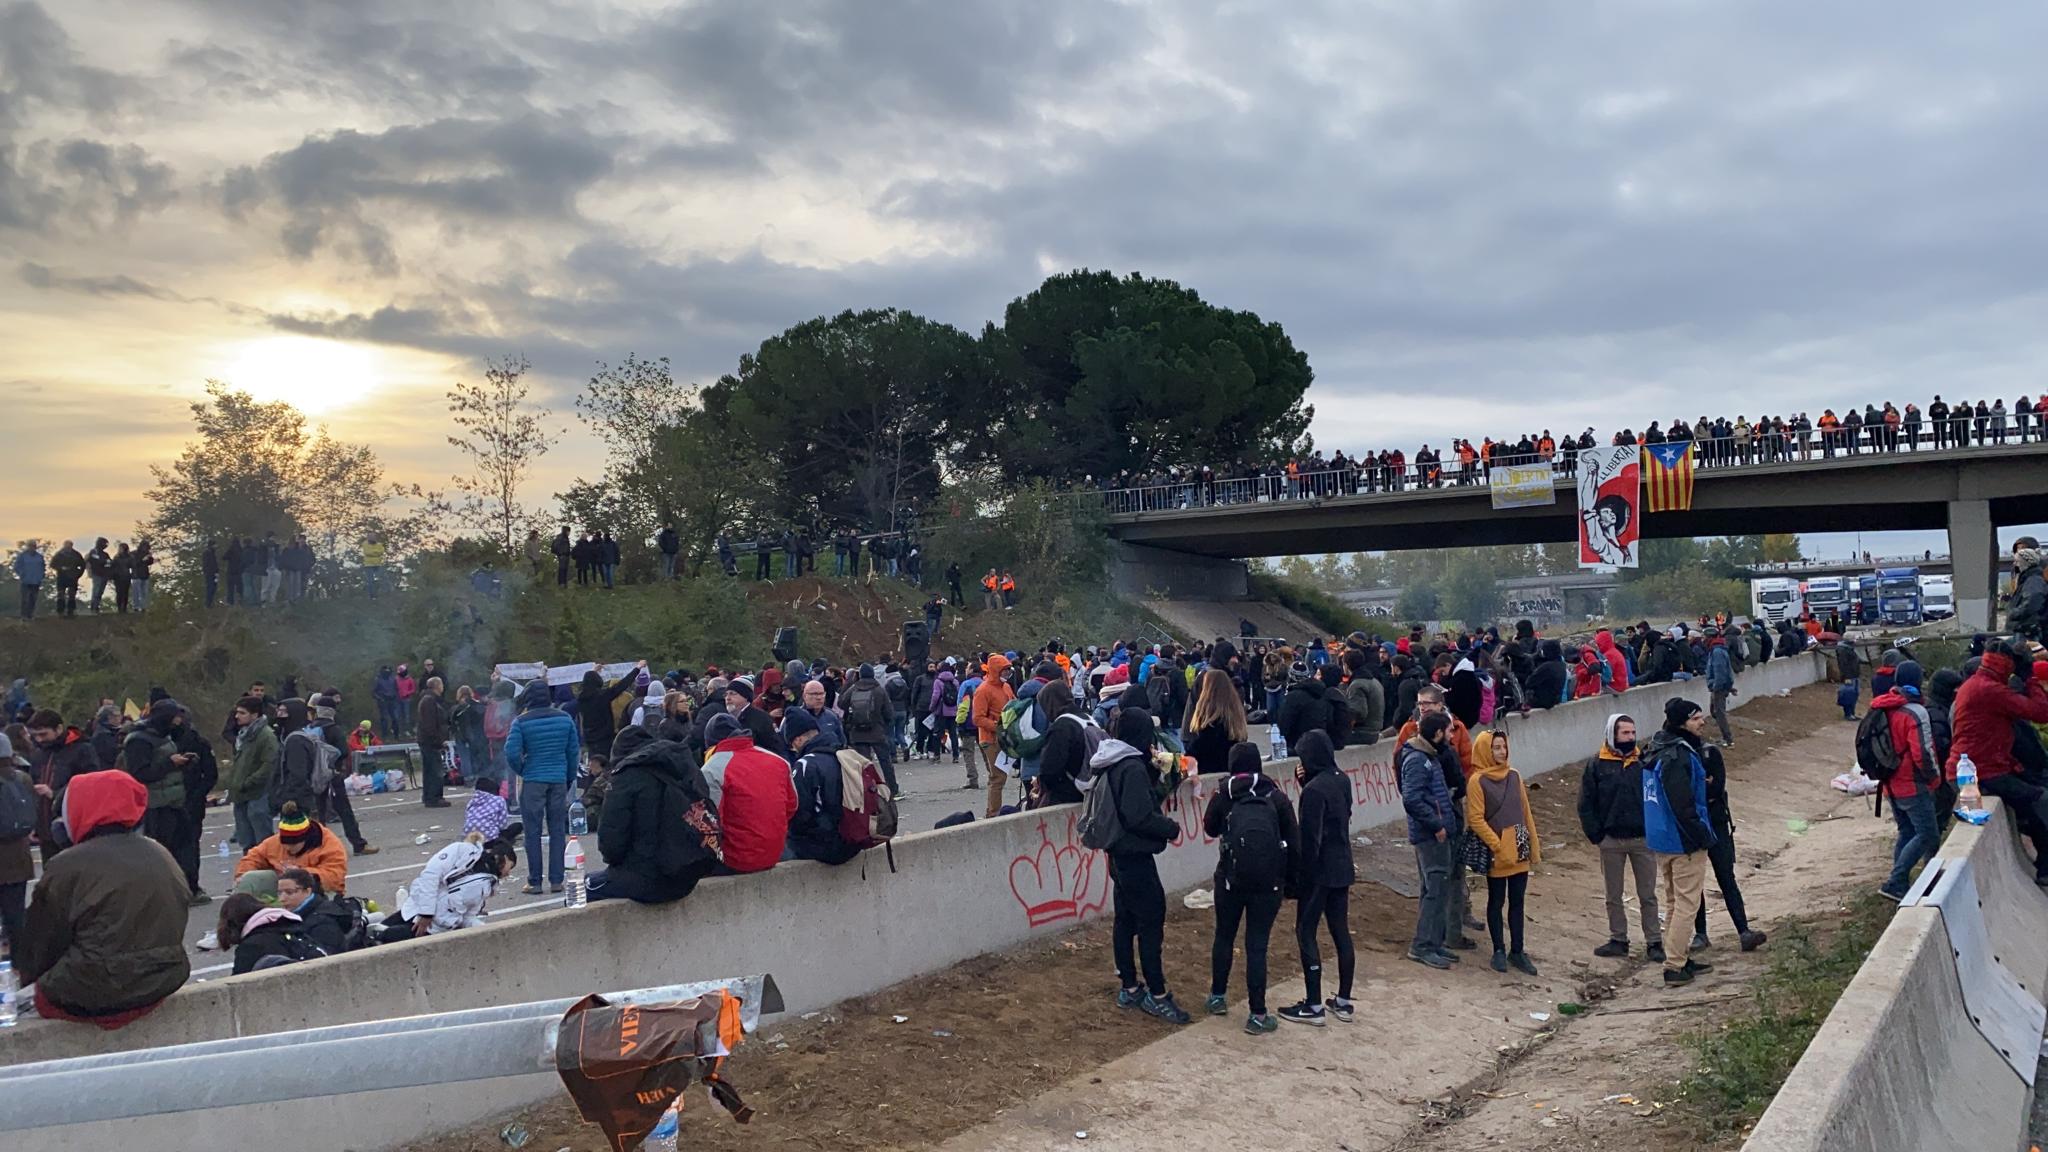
861, 710
17, 806
867, 814
701, 840
299, 947
1875, 754
1255, 849
950, 698
1092, 737
1159, 693
357, 935
1020, 733
1100, 825
325, 757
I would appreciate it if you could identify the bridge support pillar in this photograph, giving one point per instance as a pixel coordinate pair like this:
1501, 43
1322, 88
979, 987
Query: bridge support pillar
1973, 549
1138, 571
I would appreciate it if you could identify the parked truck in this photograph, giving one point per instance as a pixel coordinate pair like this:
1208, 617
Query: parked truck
1774, 599
1826, 594
1898, 596
1866, 599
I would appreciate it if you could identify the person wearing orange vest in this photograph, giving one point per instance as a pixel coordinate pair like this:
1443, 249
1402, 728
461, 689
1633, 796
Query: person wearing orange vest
1009, 592
989, 584
1830, 429
1467, 460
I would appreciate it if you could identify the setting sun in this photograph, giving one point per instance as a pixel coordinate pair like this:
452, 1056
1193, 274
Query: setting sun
314, 375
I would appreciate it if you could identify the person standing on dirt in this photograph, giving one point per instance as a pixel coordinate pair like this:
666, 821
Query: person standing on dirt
1258, 837
1456, 755
1123, 764
1497, 810
1679, 829
953, 585
67, 564
1721, 854
1426, 799
1611, 814
1323, 879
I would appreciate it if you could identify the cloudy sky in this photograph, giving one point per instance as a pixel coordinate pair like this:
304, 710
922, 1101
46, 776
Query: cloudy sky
1475, 218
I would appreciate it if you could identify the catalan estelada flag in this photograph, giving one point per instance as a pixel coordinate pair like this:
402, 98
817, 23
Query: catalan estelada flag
1667, 476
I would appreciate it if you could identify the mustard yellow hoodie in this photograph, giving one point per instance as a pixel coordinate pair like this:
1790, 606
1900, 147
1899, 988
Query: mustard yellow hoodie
1495, 802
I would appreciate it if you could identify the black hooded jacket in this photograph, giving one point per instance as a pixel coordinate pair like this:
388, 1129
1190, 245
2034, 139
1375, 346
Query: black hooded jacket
1303, 710
1325, 858
1550, 683
643, 830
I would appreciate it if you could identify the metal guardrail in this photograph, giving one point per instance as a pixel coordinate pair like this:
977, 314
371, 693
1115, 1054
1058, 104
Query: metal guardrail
409, 1052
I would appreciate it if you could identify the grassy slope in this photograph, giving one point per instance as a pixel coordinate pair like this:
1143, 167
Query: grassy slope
207, 658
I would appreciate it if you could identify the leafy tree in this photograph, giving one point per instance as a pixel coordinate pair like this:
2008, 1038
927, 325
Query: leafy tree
1096, 374
853, 415
1417, 602
1470, 593
669, 459
503, 440
1782, 548
256, 468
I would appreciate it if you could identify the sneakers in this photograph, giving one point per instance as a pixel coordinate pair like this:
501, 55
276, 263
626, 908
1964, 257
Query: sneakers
1500, 960
366, 849
1656, 953
1303, 1012
1256, 1025
1216, 1006
1464, 944
1129, 997
1753, 940
1695, 967
531, 889
198, 897
1163, 1007
1894, 897
1339, 1009
1519, 961
1434, 959
1449, 956
1674, 977
1612, 950
972, 784
1700, 943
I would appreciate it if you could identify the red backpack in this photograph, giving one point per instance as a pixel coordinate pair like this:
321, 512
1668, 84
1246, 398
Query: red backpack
867, 813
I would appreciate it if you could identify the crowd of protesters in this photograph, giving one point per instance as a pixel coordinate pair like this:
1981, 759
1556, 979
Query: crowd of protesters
1718, 443
686, 776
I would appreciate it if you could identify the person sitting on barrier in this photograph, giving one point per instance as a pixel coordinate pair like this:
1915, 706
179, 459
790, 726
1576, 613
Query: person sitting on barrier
104, 940
814, 829
752, 793
1981, 727
452, 891
299, 842
658, 833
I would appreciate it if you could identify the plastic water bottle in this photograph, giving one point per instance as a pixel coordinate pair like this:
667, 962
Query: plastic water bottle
663, 1138
579, 820
224, 853
578, 893
1970, 799
1279, 744
9, 993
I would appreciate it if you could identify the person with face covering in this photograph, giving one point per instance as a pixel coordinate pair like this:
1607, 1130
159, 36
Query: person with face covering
1497, 810
1611, 814
1323, 880
1123, 764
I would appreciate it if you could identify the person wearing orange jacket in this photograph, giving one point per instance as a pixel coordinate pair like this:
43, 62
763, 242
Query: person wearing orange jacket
300, 842
989, 584
1009, 591
987, 713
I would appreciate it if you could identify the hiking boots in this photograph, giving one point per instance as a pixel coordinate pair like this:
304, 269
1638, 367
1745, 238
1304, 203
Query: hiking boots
1129, 997
1753, 940
1303, 1012
1612, 950
1674, 977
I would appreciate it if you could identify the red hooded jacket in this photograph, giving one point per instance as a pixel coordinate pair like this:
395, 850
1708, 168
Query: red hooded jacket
1981, 719
1617, 664
755, 803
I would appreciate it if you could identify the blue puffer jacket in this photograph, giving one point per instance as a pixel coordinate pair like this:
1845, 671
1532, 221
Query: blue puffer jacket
542, 746
28, 567
1675, 797
1424, 795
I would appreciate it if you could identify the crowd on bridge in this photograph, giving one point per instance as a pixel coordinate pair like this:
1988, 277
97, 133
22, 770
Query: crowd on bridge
1717, 443
685, 775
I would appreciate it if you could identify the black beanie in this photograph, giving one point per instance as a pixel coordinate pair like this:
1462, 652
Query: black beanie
1134, 727
1677, 712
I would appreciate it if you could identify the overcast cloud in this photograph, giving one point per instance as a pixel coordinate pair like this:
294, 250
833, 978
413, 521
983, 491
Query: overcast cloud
1474, 218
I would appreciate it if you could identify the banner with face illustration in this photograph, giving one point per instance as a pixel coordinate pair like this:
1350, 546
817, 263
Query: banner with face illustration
1610, 506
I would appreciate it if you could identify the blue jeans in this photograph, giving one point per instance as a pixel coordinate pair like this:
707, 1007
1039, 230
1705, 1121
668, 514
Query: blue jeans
839, 563
540, 801
1433, 865
252, 822
1918, 838
370, 574
668, 566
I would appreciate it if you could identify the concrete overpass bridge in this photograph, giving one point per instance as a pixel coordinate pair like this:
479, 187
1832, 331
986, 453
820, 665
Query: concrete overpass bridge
1197, 551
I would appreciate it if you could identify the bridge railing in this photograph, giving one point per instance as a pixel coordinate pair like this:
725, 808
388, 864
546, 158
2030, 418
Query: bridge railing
1368, 479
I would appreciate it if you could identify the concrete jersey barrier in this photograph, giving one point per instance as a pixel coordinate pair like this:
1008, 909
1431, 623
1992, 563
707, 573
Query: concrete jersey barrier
1905, 1060
827, 933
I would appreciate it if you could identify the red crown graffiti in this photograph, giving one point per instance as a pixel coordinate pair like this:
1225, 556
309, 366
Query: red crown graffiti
1061, 880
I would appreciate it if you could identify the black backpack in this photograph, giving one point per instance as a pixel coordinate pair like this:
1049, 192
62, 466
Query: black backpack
862, 711
17, 805
1159, 690
950, 698
1875, 755
1257, 851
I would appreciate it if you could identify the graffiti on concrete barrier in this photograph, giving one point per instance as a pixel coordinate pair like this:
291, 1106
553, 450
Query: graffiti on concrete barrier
1060, 879
1377, 611
1536, 606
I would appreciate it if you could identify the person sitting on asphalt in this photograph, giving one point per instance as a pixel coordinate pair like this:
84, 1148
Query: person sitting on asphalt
487, 812
325, 918
300, 842
262, 936
104, 940
658, 833
752, 793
